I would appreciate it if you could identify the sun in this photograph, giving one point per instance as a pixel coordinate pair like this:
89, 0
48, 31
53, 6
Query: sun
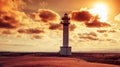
100, 10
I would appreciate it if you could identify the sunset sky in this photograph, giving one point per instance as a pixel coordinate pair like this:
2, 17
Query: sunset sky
34, 25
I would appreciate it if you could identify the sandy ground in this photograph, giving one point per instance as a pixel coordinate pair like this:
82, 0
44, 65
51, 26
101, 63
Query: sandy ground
35, 61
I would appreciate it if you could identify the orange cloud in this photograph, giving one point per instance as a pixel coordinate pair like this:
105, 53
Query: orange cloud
72, 27
88, 19
36, 37
97, 23
103, 31
8, 22
7, 32
81, 16
60, 27
46, 15
89, 36
30, 31
55, 27
10, 16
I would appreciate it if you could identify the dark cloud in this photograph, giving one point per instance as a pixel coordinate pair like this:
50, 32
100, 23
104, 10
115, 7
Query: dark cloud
55, 27
6, 18
97, 23
93, 36
47, 15
103, 31
88, 19
89, 36
30, 31
81, 16
36, 37
60, 27
8, 22
72, 27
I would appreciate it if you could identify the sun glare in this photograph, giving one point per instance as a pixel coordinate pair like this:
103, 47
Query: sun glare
100, 10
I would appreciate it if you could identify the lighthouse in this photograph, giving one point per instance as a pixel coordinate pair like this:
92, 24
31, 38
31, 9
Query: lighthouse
65, 49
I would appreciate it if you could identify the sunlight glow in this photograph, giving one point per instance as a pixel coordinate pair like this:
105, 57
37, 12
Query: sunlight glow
100, 10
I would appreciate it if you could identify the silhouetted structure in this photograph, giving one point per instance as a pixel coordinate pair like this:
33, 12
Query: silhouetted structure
65, 50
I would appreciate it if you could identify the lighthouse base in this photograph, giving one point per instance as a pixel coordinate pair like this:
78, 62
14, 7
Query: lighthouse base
65, 51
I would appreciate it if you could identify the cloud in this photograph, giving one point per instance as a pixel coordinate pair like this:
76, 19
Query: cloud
88, 19
103, 31
36, 37
97, 23
31, 31
8, 22
60, 27
5, 20
10, 16
98, 35
72, 27
89, 36
117, 18
46, 15
80, 16
7, 32
55, 27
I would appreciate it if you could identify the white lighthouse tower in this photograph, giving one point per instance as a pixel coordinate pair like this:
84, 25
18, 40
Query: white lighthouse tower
65, 50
